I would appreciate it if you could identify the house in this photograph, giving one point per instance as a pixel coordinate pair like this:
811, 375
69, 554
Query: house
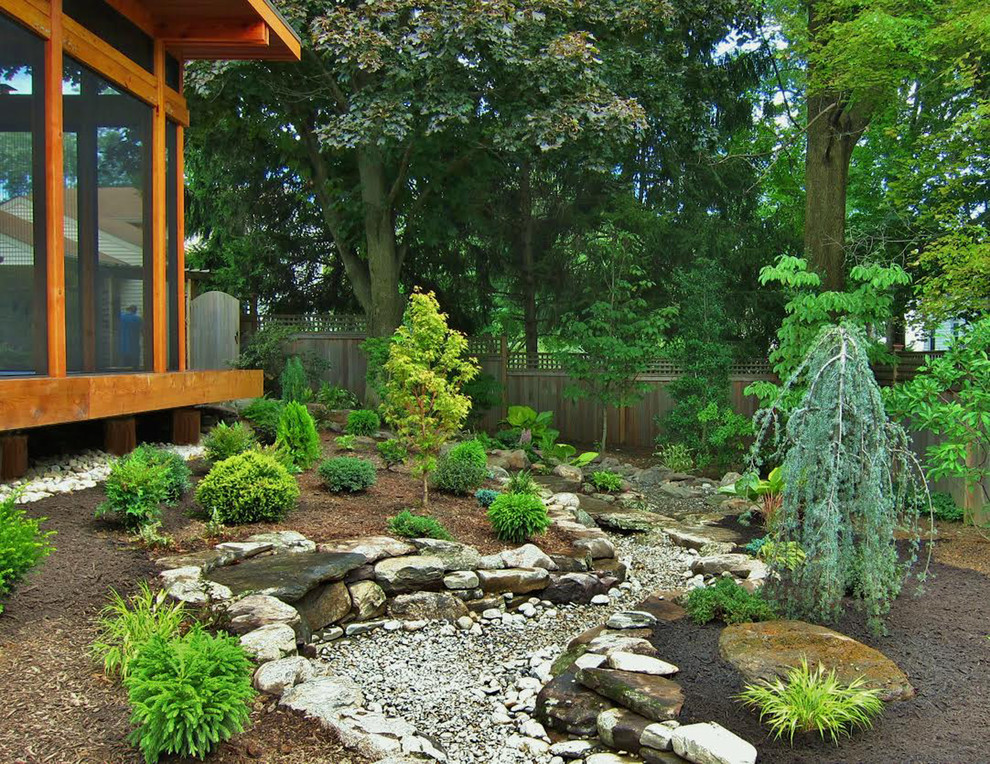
92, 309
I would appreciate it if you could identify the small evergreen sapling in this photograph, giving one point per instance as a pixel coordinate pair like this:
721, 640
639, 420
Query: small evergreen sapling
297, 435
293, 382
426, 370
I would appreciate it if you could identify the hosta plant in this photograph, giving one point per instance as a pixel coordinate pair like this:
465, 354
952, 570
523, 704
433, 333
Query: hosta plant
606, 481
813, 701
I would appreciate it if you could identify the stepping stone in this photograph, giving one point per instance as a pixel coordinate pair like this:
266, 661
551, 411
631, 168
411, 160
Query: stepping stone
631, 619
663, 607
770, 649
711, 743
654, 697
640, 664
627, 521
374, 548
566, 706
286, 576
621, 729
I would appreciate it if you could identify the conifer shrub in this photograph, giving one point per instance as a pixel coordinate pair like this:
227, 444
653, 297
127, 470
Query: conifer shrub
22, 543
188, 694
177, 472
225, 441
727, 601
462, 469
408, 525
486, 496
293, 383
263, 414
362, 422
348, 473
248, 488
296, 435
515, 517
135, 490
392, 452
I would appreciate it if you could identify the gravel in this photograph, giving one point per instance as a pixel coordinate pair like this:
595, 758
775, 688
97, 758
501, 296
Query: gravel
473, 691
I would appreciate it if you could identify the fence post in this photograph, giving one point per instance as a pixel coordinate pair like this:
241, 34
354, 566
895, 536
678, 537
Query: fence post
503, 372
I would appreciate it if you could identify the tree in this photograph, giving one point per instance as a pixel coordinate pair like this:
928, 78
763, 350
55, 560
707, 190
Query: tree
609, 343
425, 374
852, 481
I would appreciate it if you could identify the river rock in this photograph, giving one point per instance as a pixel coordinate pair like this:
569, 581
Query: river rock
374, 548
515, 580
287, 576
325, 605
711, 743
407, 574
367, 600
769, 649
654, 697
420, 606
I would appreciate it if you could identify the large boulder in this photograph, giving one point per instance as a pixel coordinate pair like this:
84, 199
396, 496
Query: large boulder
325, 605
286, 576
255, 610
515, 580
527, 556
269, 643
654, 697
711, 743
568, 707
367, 600
409, 574
577, 588
715, 565
453, 554
419, 606
374, 548
512, 461
770, 649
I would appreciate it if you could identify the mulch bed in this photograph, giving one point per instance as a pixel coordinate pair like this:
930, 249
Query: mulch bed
938, 638
57, 705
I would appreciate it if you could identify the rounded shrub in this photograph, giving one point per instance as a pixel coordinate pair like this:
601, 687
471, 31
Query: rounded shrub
348, 473
22, 543
408, 525
462, 469
225, 441
135, 490
362, 422
296, 435
486, 496
248, 488
177, 472
517, 516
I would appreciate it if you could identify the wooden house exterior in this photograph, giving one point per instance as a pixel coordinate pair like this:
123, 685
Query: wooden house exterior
92, 293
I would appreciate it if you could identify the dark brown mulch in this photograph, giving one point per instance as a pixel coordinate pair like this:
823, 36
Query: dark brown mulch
57, 706
938, 638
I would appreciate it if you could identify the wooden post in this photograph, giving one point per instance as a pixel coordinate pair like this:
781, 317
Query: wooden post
13, 456
120, 435
503, 373
55, 194
159, 231
180, 236
186, 426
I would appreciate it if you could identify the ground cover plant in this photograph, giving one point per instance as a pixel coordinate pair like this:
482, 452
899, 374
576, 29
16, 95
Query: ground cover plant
224, 441
813, 701
362, 422
462, 469
606, 481
675, 456
296, 435
347, 473
486, 496
346, 442
727, 601
408, 525
23, 544
516, 517
248, 488
392, 452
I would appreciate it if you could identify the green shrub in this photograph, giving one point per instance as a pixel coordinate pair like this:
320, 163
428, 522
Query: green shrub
522, 482
462, 469
188, 695
945, 508
727, 601
507, 438
485, 393
392, 452
225, 441
813, 701
22, 543
517, 516
346, 442
177, 472
125, 626
263, 414
150, 536
297, 435
782, 554
135, 491
348, 473
754, 546
293, 383
362, 422
486, 496
248, 488
606, 481
676, 457
336, 397
417, 527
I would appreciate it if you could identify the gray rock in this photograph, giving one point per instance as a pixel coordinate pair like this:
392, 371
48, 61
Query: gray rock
572, 749
241, 550
631, 619
566, 499
715, 565
654, 697
579, 588
287, 576
198, 592
711, 743
285, 542
406, 574
367, 600
427, 606
568, 707
323, 699
206, 560
566, 471
269, 643
621, 729
640, 664
512, 461
461, 579
515, 580
188, 573
659, 736
325, 605
374, 548
455, 556
256, 610
277, 676
527, 556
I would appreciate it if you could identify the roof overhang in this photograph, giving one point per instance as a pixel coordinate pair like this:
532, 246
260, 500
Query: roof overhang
216, 29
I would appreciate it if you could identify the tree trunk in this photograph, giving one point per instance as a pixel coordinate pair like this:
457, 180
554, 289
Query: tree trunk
604, 426
834, 128
384, 264
426, 490
527, 263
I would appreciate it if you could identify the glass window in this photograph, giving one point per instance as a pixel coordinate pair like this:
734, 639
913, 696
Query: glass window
23, 286
107, 225
107, 23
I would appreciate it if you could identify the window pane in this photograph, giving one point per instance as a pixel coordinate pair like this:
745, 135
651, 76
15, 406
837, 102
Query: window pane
107, 226
23, 288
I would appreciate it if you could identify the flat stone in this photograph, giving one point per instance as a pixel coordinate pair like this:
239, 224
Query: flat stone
198, 591
711, 743
325, 605
627, 521
324, 698
715, 565
285, 542
367, 600
453, 554
277, 676
571, 749
370, 733
269, 643
527, 556
407, 574
653, 756
766, 650
663, 607
206, 560
188, 573
427, 606
374, 548
568, 707
462, 579
631, 619
256, 610
621, 729
654, 697
515, 580
578, 588
241, 550
659, 736
287, 576
611, 758
640, 664
608, 642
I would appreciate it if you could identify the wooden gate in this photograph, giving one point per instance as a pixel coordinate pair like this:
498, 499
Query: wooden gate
214, 331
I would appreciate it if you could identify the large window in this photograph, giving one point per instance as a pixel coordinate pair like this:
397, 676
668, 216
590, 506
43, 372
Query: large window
23, 285
108, 262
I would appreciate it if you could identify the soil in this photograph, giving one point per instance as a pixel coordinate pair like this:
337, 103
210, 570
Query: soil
939, 638
57, 705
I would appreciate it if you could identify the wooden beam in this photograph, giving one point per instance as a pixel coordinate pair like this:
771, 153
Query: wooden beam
176, 108
35, 14
278, 26
39, 401
220, 31
136, 13
180, 236
159, 221
55, 194
109, 62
